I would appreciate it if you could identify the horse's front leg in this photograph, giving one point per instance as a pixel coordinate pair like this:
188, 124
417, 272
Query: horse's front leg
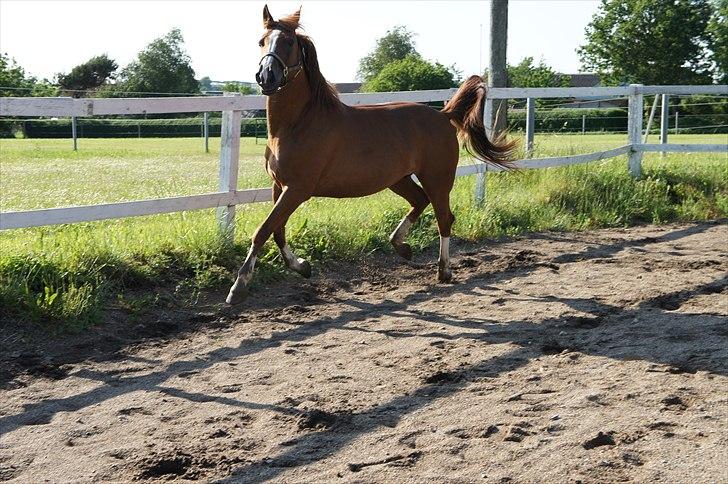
288, 201
296, 264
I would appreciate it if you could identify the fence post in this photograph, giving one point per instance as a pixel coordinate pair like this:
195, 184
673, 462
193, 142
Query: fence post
229, 155
652, 117
530, 125
482, 177
583, 124
664, 119
677, 117
206, 131
634, 128
74, 133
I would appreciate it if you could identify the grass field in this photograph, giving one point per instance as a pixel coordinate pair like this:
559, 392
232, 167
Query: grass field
63, 276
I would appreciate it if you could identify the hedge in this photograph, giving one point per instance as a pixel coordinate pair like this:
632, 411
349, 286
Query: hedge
547, 120
613, 120
123, 128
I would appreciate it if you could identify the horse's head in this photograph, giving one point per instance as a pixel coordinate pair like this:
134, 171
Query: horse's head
282, 53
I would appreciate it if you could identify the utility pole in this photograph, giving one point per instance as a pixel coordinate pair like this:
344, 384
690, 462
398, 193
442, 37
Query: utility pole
497, 72
480, 53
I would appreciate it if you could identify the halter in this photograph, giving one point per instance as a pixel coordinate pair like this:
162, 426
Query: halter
286, 68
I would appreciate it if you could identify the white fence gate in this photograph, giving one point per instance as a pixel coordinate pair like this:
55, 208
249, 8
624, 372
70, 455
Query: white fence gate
229, 196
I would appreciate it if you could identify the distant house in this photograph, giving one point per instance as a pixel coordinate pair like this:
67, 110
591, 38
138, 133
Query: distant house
583, 80
347, 87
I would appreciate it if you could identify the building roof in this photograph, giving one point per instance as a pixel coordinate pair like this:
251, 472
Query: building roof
344, 87
583, 79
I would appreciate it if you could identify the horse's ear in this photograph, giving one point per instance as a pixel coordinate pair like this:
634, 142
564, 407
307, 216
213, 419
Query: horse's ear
296, 16
267, 17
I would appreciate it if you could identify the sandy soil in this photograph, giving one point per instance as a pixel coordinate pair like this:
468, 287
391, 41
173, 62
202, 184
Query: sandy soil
590, 357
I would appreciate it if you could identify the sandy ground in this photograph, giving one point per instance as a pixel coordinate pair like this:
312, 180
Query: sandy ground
589, 357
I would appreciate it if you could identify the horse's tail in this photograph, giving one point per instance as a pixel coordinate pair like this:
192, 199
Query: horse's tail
465, 111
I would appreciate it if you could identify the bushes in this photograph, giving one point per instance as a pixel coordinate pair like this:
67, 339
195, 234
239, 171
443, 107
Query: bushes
122, 128
570, 120
709, 120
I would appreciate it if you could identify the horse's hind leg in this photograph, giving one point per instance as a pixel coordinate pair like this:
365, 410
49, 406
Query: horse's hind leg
438, 190
415, 195
294, 263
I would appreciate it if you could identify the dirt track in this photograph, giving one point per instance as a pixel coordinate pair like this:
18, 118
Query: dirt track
593, 357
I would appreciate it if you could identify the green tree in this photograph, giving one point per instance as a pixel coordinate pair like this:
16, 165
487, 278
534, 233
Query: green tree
411, 74
238, 87
397, 44
162, 67
718, 30
649, 41
13, 81
90, 75
44, 88
525, 74
206, 84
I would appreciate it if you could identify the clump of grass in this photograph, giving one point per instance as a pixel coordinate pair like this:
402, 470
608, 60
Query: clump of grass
63, 277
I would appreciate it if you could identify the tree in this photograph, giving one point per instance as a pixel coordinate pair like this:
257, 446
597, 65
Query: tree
238, 87
90, 75
649, 42
162, 67
718, 30
44, 88
13, 81
525, 74
206, 84
411, 74
397, 44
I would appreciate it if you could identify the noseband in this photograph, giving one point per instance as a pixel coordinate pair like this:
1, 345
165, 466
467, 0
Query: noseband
286, 68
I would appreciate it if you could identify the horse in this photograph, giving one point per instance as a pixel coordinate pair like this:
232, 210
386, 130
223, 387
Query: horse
319, 147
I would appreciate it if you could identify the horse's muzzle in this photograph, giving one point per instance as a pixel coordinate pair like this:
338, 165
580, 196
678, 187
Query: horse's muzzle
268, 80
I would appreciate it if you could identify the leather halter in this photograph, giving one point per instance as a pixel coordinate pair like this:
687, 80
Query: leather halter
286, 68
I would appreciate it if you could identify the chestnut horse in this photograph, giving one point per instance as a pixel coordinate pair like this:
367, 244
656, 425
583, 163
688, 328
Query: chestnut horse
317, 146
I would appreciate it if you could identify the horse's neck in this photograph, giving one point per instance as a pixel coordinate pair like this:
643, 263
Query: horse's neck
285, 107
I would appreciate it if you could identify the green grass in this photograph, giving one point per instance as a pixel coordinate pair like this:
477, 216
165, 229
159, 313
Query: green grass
63, 276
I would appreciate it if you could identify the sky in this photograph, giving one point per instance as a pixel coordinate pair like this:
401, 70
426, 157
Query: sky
48, 37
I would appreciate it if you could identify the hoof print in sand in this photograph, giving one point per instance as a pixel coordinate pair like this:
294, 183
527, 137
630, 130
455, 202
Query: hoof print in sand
442, 377
317, 420
600, 440
517, 432
166, 465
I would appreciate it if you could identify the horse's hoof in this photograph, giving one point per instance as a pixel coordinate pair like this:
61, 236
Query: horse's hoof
444, 275
304, 268
404, 250
237, 295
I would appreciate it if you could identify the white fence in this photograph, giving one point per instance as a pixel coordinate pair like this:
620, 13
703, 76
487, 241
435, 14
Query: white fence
229, 196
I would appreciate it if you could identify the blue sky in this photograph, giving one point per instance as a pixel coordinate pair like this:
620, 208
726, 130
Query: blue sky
47, 37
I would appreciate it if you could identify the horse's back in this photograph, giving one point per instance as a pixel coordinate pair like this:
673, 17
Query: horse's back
371, 147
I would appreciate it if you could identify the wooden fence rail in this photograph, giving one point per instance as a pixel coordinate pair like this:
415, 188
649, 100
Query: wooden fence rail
232, 106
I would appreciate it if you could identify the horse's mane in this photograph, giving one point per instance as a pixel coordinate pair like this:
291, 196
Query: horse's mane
322, 93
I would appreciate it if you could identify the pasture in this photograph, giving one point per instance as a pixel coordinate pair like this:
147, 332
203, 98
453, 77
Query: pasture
63, 276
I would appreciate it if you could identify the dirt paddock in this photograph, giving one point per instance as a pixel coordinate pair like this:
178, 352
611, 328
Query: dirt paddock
581, 357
